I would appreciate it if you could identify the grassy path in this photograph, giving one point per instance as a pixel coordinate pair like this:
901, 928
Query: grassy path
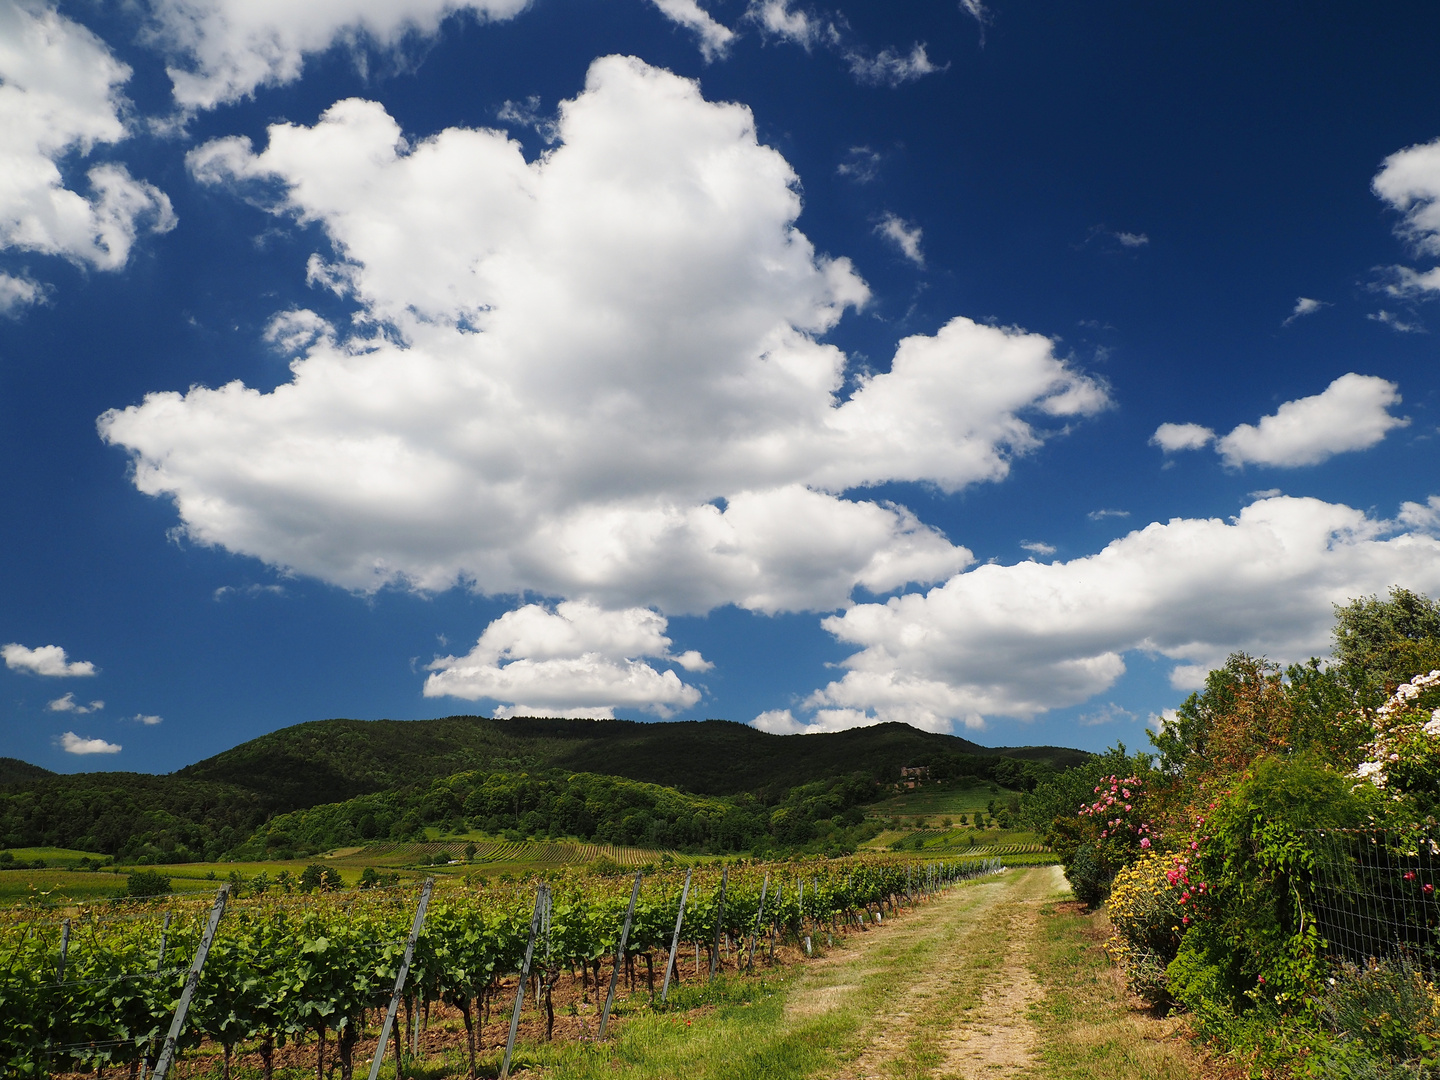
998, 979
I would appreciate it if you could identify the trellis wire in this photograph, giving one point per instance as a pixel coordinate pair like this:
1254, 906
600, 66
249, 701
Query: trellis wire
1374, 894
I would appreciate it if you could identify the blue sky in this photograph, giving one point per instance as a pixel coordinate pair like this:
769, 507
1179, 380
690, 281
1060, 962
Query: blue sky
995, 369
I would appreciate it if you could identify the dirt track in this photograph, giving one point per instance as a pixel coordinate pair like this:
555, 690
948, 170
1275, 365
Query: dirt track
951, 981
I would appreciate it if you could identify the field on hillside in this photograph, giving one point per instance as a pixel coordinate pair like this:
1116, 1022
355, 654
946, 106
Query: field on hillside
411, 861
939, 801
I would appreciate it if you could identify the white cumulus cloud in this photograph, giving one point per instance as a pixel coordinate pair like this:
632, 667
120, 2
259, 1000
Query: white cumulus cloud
1305, 305
777, 19
59, 97
70, 705
1409, 181
577, 660
18, 293
75, 744
1422, 517
889, 67
904, 236
714, 38
1397, 323
1352, 413
46, 660
148, 720
1174, 437
603, 379
223, 50
1018, 640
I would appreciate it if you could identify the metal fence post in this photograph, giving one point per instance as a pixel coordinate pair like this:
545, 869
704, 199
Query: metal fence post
759, 921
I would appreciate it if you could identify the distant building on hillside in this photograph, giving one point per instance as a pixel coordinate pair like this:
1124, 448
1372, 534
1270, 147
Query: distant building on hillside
910, 775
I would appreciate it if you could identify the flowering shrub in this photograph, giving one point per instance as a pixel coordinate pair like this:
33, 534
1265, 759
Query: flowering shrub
1112, 831
1252, 935
1403, 757
1148, 915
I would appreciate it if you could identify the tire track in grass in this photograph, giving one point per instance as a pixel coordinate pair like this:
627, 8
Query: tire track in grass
979, 983
953, 998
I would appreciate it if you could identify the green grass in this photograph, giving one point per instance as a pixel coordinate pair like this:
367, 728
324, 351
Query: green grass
55, 856
940, 800
1089, 1026
62, 886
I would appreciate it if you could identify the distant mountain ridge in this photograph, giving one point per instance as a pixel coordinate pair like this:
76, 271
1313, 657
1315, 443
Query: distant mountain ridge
330, 760
214, 805
15, 771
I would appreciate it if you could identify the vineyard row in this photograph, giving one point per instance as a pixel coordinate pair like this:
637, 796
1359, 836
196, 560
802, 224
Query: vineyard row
101, 987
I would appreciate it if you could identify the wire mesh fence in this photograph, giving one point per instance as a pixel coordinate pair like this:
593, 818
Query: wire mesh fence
1374, 893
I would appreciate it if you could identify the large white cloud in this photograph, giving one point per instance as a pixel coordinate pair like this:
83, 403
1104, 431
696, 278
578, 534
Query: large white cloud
76, 744
1018, 640
1352, 413
1409, 181
225, 49
60, 95
45, 660
577, 660
599, 374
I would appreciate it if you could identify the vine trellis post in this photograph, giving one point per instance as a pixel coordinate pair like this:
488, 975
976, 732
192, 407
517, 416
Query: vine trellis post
620, 954
675, 938
167, 1052
399, 983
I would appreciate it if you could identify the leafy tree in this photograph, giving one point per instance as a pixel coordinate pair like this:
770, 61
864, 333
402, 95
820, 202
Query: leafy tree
1387, 641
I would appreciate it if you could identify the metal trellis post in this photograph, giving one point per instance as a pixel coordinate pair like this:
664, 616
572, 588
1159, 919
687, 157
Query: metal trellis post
400, 983
675, 938
540, 896
167, 1052
620, 955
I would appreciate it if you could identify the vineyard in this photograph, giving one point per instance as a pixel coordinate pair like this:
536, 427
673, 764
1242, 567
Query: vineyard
538, 854
106, 986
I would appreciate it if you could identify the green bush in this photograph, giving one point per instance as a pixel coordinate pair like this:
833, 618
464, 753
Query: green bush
1386, 1008
1088, 879
1253, 935
147, 883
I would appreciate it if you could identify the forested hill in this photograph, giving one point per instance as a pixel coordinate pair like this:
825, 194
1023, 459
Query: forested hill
214, 806
14, 771
330, 760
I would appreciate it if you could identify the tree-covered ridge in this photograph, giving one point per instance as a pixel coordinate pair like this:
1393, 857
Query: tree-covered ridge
125, 814
15, 771
601, 809
333, 760
212, 808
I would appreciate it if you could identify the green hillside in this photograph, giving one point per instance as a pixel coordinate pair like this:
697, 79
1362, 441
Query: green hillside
216, 806
15, 771
331, 760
